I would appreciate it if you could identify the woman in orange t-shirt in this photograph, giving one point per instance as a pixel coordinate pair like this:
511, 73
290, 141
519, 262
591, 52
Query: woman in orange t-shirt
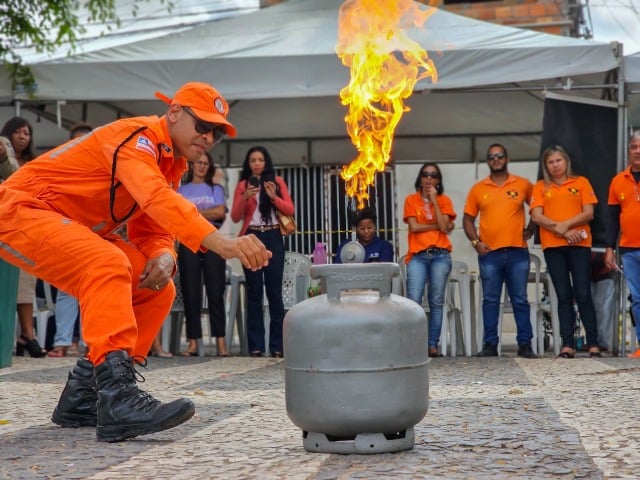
562, 205
429, 214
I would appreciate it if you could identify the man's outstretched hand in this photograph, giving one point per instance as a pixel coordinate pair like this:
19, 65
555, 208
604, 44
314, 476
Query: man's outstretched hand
248, 249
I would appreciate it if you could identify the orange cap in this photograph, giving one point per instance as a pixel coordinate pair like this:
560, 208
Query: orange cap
205, 101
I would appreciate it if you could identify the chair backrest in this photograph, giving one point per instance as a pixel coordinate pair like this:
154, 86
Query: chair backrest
458, 270
458, 267
49, 303
536, 270
178, 302
295, 278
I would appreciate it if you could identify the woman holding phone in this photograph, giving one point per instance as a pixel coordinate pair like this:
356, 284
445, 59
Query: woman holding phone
260, 193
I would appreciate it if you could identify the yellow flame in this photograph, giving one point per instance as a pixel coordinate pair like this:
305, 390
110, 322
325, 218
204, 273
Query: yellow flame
385, 65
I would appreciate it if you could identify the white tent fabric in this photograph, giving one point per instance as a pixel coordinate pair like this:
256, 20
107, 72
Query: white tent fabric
288, 50
632, 68
279, 71
632, 78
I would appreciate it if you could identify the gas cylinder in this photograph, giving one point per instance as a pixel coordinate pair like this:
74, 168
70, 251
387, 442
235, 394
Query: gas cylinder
356, 378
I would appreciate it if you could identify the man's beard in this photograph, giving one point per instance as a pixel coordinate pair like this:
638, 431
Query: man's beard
499, 170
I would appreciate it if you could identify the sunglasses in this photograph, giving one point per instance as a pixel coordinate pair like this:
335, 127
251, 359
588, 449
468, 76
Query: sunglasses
429, 174
203, 127
495, 156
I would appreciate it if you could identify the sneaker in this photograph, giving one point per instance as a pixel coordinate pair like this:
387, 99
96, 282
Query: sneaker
525, 351
635, 354
488, 351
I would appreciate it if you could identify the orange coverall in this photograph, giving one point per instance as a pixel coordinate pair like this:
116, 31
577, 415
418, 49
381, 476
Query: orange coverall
58, 215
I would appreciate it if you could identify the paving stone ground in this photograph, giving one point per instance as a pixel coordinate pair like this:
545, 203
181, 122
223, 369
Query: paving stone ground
498, 418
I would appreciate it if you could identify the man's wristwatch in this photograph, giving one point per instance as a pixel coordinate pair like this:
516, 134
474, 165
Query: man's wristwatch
475, 242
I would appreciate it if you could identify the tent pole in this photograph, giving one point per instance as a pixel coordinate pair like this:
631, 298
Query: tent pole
621, 318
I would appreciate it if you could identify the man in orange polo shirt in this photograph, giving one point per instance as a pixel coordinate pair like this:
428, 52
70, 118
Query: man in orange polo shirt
624, 219
501, 244
58, 215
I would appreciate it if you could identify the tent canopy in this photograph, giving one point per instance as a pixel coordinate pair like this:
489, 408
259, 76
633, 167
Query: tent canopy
278, 69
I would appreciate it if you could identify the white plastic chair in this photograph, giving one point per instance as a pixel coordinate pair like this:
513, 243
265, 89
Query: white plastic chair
43, 312
295, 283
454, 318
172, 327
550, 307
295, 278
536, 310
458, 318
235, 313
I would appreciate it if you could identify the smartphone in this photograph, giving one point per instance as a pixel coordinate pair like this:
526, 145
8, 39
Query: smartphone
254, 181
268, 178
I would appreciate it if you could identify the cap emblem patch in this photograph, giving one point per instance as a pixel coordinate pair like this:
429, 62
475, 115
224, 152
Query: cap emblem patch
219, 104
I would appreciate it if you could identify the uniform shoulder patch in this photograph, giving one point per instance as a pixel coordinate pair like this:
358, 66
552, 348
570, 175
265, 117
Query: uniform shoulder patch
144, 144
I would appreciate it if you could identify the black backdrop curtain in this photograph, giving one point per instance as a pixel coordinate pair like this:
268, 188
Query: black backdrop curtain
589, 134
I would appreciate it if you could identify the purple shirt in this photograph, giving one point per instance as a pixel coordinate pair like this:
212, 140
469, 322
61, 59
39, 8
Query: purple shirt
204, 196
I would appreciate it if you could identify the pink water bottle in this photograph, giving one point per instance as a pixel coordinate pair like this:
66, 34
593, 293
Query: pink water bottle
319, 256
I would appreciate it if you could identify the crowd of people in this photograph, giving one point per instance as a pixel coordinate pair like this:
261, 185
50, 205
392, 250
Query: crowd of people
64, 218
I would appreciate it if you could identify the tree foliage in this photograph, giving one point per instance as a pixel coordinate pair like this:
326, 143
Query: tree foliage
45, 25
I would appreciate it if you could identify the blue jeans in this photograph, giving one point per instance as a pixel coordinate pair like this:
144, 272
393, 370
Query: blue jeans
433, 269
570, 271
511, 267
269, 278
631, 266
66, 314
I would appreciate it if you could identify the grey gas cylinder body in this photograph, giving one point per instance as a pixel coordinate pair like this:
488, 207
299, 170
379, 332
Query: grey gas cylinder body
356, 377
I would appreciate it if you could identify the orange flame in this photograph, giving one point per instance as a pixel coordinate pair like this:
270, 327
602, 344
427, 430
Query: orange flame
385, 65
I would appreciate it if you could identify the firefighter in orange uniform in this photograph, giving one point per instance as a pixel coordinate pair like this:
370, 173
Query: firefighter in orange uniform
57, 218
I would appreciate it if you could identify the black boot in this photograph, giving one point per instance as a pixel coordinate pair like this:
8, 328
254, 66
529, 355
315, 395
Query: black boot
488, 350
125, 411
525, 350
77, 404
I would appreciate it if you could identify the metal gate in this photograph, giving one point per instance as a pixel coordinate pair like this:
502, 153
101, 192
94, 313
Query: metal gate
322, 207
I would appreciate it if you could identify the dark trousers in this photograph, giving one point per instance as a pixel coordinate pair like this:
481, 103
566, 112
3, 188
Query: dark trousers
194, 269
268, 278
570, 270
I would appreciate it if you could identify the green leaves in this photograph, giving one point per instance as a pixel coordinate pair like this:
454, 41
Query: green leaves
46, 25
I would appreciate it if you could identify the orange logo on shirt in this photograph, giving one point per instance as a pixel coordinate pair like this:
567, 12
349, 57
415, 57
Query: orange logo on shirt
512, 194
574, 191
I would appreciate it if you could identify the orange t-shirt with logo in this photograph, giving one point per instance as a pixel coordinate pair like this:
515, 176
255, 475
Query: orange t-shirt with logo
424, 212
501, 209
625, 192
560, 202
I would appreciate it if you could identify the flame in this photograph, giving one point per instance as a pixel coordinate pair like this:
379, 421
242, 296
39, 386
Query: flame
385, 65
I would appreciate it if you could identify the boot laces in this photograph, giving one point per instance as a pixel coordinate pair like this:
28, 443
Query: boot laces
134, 376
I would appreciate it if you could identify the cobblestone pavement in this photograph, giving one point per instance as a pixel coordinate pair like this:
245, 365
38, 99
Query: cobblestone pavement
499, 418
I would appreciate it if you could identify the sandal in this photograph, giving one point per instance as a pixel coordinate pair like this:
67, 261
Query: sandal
192, 349
221, 347
566, 354
58, 352
255, 353
31, 346
433, 353
594, 352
